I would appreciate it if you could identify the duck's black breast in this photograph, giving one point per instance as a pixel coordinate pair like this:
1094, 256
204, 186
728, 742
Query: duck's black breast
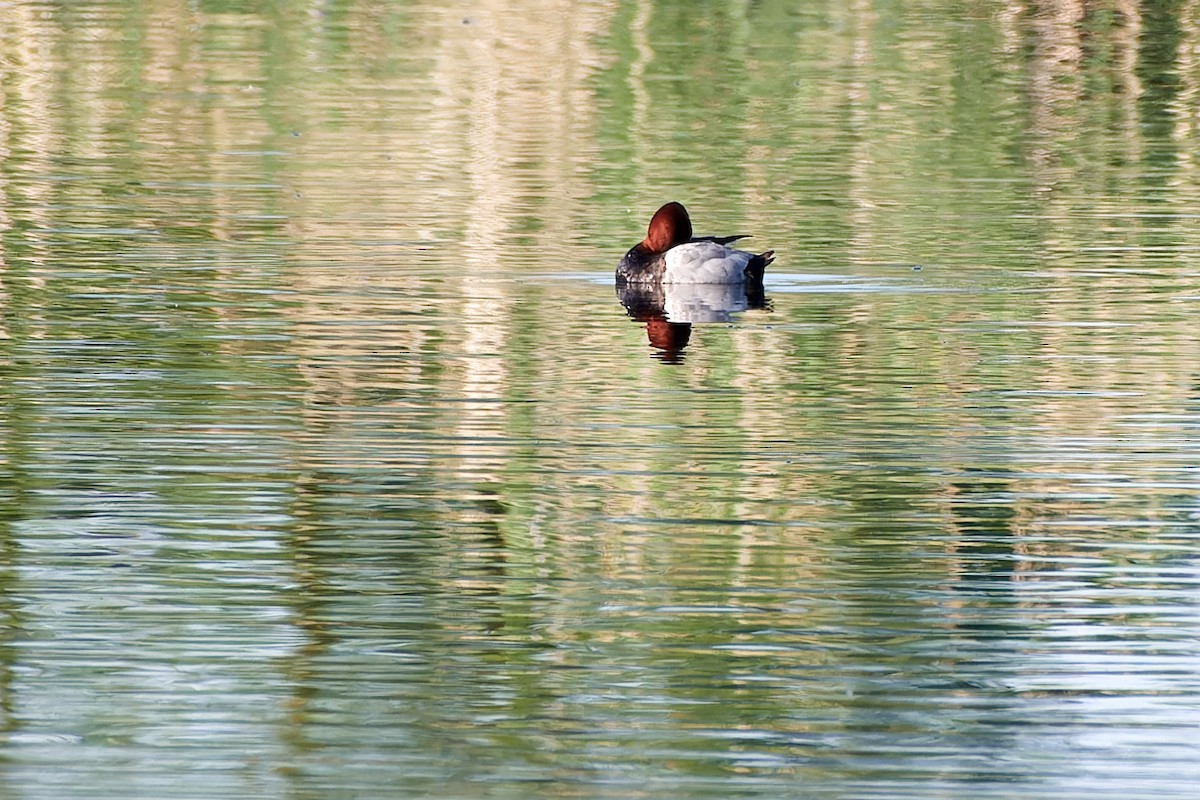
641, 266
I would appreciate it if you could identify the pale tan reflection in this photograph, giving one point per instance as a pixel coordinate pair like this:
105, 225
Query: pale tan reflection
637, 72
862, 22
29, 78
1055, 84
523, 77
1089, 351
6, 198
1187, 105
73, 99
489, 142
1097, 362
174, 68
1125, 40
517, 74
1093, 388
180, 73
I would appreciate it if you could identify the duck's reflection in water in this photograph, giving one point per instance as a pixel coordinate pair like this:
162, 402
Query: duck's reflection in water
670, 311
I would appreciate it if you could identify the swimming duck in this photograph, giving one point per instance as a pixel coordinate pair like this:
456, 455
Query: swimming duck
670, 254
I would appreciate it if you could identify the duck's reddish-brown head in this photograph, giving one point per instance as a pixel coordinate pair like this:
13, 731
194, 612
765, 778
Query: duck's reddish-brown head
669, 226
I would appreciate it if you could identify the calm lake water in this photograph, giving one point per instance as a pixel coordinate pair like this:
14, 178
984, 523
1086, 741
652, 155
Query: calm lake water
333, 466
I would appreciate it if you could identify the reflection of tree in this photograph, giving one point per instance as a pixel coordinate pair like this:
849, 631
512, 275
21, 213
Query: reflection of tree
1158, 71
1054, 79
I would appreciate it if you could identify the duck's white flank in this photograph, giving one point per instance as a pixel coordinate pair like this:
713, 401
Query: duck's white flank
705, 262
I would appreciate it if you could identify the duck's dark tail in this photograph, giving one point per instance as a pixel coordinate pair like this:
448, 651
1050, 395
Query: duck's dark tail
758, 266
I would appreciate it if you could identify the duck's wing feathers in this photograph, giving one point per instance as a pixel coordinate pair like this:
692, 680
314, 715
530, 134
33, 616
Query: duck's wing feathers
720, 239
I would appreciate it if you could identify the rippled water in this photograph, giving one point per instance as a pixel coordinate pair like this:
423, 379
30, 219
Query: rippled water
334, 465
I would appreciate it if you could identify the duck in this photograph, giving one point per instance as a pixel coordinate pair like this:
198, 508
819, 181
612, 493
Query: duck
671, 255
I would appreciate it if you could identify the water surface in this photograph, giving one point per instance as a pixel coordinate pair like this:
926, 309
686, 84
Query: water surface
333, 465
